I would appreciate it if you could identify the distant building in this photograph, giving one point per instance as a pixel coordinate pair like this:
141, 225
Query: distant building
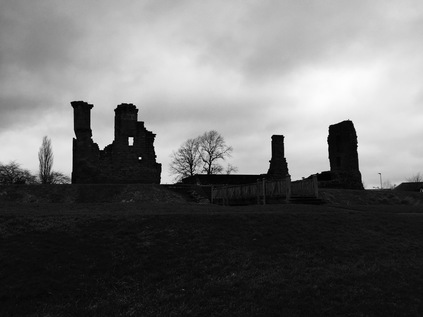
129, 159
410, 187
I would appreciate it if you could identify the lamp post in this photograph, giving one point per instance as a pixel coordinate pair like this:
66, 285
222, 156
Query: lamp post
380, 175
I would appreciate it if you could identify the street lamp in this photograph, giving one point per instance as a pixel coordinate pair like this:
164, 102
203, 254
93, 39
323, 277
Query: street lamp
380, 174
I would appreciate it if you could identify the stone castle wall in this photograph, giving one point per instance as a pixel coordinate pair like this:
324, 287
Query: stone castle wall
129, 159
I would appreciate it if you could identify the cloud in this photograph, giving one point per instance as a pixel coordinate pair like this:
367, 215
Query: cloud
248, 69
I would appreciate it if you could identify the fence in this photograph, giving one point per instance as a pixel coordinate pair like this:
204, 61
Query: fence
264, 191
305, 188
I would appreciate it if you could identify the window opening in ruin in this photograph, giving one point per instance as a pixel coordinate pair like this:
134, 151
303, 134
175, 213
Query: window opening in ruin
131, 141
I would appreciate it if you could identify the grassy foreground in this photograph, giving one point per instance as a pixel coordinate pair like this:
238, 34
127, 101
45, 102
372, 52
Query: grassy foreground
200, 260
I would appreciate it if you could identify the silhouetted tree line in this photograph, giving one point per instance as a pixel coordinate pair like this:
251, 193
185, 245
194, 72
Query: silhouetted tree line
13, 173
416, 178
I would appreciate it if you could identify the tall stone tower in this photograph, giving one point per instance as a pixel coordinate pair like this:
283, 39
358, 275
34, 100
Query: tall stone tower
82, 119
278, 166
126, 117
85, 151
342, 141
343, 155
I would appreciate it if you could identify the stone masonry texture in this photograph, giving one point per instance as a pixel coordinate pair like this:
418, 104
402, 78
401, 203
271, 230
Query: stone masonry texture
130, 159
278, 166
343, 156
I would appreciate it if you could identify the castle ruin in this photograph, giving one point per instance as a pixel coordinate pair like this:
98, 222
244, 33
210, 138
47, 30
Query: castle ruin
278, 166
278, 170
342, 142
129, 159
343, 158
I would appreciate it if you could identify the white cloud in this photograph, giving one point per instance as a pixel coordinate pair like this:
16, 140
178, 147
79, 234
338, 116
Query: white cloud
248, 69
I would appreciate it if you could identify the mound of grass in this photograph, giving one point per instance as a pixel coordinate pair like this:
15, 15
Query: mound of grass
87, 193
370, 197
192, 260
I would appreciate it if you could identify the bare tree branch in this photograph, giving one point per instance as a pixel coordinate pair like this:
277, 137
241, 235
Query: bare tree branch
231, 169
12, 173
59, 178
45, 159
201, 154
212, 149
186, 161
417, 178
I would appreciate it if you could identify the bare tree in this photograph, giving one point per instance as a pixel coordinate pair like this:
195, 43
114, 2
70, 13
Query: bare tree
186, 161
417, 178
45, 159
231, 169
212, 149
59, 178
201, 154
388, 185
12, 173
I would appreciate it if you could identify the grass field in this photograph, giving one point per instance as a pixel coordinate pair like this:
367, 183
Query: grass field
183, 259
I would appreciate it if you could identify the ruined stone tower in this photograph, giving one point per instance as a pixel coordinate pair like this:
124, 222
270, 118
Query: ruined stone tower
342, 141
278, 166
82, 119
343, 156
129, 159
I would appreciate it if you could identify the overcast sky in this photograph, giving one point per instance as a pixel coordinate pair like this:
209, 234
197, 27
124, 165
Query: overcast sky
246, 68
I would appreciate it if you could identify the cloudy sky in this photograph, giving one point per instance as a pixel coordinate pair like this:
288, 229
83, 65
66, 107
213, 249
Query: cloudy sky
246, 68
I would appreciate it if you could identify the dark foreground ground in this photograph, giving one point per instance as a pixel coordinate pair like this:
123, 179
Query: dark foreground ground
185, 259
